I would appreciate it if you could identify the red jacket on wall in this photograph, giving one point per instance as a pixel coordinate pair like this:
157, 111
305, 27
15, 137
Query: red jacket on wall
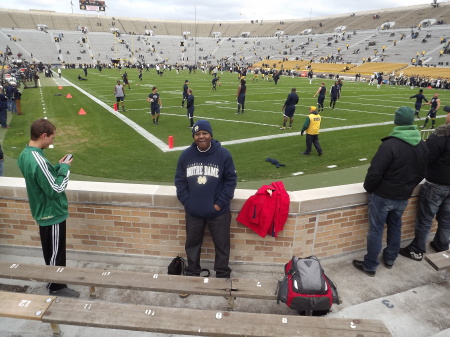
266, 212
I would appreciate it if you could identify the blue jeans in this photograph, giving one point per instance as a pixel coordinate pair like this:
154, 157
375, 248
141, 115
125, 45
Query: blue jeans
434, 200
13, 107
9, 103
383, 211
1, 166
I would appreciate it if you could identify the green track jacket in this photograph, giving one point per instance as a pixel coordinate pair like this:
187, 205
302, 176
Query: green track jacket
46, 184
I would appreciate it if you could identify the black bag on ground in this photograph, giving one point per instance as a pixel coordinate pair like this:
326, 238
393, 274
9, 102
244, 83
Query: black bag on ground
176, 267
305, 287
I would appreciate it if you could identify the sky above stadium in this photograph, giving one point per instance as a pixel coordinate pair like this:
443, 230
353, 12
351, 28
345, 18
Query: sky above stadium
217, 10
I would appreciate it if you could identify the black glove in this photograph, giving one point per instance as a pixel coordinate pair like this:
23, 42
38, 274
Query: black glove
301, 133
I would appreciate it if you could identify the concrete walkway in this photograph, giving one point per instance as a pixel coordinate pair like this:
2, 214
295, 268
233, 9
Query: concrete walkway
412, 299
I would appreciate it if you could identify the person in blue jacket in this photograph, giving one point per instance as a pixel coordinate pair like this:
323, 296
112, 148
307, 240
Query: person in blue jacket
205, 181
289, 108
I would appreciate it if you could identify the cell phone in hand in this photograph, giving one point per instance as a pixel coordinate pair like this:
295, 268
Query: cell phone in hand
68, 158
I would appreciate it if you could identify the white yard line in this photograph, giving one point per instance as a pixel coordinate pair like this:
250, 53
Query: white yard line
140, 130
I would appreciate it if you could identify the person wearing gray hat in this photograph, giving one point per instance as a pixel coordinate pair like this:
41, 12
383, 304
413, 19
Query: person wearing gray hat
397, 168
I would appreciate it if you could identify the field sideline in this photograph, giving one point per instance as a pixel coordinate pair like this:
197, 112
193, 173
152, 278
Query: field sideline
129, 147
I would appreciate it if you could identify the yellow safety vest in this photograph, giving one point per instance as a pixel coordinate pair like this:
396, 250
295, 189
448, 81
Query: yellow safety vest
314, 124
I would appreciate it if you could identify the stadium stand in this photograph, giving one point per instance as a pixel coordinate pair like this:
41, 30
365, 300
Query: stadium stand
404, 17
335, 44
384, 67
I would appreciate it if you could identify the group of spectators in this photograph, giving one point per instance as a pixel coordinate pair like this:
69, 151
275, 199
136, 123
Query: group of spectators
10, 96
402, 161
420, 81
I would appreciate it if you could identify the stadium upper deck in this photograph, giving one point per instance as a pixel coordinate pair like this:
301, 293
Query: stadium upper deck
401, 17
382, 37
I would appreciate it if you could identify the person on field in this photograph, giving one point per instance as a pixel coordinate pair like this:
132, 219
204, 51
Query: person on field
185, 92
320, 97
119, 93
289, 108
435, 103
155, 105
190, 107
312, 128
419, 99
240, 96
335, 94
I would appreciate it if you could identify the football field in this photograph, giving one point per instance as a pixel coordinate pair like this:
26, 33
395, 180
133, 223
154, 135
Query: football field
125, 145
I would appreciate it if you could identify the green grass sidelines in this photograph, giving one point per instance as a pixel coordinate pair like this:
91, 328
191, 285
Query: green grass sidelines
106, 148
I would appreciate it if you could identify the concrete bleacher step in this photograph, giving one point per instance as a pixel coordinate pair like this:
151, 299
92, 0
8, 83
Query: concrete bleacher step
409, 309
57, 311
423, 295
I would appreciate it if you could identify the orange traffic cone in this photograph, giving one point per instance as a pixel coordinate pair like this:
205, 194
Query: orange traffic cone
82, 112
60, 87
69, 96
115, 107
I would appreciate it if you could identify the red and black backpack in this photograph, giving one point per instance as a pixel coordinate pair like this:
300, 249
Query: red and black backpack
306, 288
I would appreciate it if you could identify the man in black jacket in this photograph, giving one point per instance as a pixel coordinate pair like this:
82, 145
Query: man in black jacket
434, 198
335, 94
289, 108
398, 166
419, 98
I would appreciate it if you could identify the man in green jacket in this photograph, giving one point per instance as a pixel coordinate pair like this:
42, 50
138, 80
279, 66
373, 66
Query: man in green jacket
46, 184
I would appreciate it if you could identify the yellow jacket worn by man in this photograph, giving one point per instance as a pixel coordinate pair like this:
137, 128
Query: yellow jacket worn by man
312, 127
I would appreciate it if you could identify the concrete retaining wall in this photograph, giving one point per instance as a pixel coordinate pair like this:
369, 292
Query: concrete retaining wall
147, 220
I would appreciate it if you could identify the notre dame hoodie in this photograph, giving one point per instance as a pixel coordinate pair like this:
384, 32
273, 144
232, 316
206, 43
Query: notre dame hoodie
206, 178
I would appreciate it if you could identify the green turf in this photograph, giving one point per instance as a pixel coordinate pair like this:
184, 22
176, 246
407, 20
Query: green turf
106, 148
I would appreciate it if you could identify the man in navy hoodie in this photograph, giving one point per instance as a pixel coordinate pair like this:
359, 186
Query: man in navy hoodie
205, 180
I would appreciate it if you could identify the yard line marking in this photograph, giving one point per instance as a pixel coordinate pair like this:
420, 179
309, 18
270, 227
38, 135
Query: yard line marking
224, 120
140, 130
290, 134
